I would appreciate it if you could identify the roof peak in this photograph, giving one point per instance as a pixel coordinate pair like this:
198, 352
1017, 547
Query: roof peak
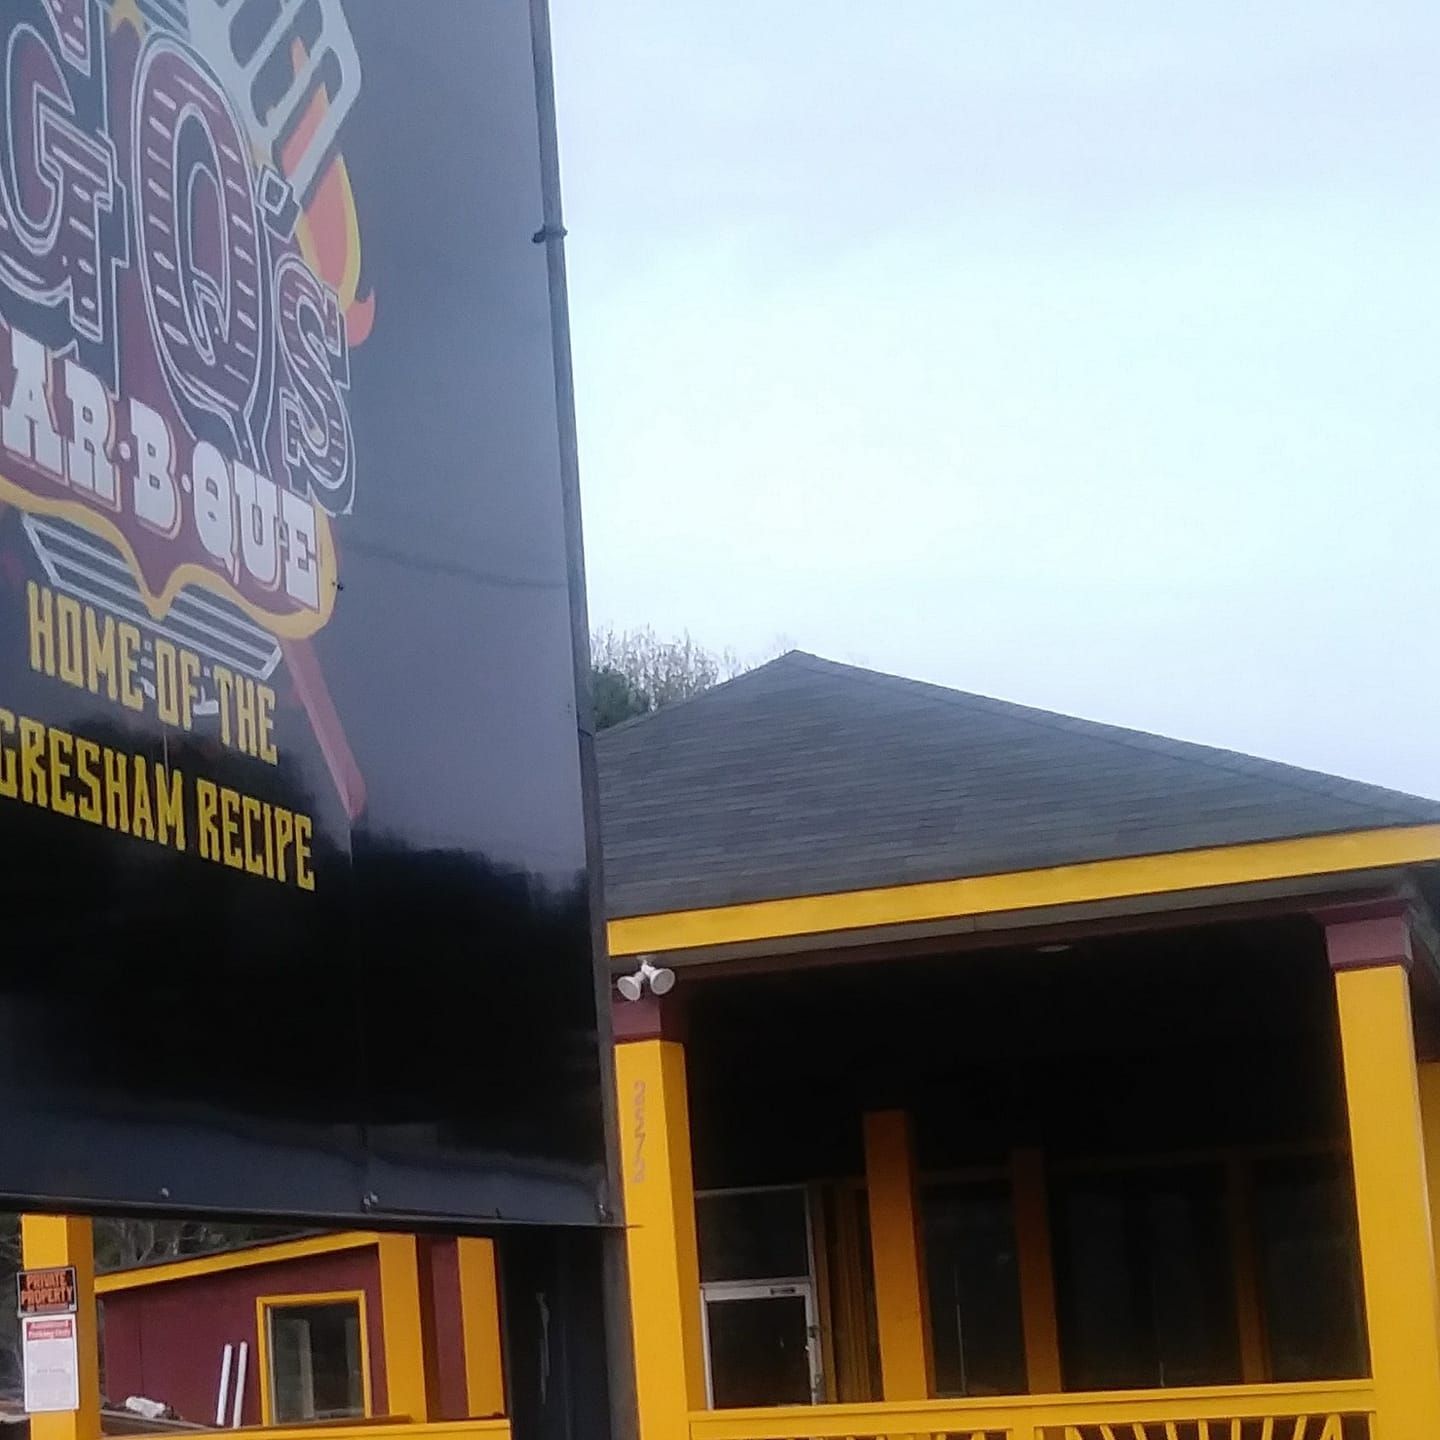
1200, 751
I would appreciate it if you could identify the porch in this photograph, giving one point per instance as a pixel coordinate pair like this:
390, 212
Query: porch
1094, 1185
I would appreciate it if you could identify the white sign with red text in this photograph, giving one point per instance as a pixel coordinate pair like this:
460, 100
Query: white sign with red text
52, 1363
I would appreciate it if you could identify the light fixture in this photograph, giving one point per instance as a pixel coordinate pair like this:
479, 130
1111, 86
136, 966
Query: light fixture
660, 980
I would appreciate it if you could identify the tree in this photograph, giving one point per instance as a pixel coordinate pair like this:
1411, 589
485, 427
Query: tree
634, 672
615, 696
121, 1244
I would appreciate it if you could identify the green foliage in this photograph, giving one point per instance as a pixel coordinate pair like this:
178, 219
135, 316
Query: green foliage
616, 697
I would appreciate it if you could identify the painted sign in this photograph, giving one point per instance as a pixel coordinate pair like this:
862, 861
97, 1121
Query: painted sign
50, 1291
50, 1359
290, 771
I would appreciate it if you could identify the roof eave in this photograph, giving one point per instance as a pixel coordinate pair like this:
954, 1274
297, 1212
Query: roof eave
1183, 879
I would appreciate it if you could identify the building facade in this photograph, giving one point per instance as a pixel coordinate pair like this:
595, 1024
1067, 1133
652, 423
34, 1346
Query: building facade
1024, 1079
319, 1328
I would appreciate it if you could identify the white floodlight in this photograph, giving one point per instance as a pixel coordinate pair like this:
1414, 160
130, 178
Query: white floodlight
659, 978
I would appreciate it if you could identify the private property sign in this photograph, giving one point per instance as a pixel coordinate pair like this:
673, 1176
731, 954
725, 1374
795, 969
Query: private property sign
50, 1291
291, 805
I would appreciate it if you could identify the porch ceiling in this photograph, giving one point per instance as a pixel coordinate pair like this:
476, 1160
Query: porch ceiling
1214, 1035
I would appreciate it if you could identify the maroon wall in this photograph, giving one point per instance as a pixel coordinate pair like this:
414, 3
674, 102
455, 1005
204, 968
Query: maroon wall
444, 1264
165, 1341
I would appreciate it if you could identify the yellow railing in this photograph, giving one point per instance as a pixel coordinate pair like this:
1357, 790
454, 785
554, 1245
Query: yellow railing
385, 1428
1337, 1411
390, 1429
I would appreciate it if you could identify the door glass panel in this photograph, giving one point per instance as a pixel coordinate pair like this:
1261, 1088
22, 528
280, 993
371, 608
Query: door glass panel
974, 1280
1310, 1270
753, 1235
759, 1351
1144, 1280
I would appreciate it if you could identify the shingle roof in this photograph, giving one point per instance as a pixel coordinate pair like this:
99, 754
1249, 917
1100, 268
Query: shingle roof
808, 777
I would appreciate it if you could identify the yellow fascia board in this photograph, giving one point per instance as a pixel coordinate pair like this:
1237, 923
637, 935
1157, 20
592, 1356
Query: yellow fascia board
233, 1260
1086, 883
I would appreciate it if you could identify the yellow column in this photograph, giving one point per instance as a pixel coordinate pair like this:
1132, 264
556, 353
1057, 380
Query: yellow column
480, 1327
69, 1240
405, 1320
1429, 1076
660, 1236
1249, 1311
1037, 1272
901, 1309
1392, 1199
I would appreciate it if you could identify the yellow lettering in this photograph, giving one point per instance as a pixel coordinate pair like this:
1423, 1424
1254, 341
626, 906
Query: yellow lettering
41, 606
62, 802
189, 687
9, 771
142, 815
99, 653
32, 763
206, 800
284, 833
131, 695
224, 688
67, 612
87, 752
117, 798
169, 806
230, 829
246, 720
304, 875
250, 810
269, 842
167, 683
267, 724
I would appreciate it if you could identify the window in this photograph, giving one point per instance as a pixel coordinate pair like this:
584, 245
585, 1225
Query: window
1144, 1279
316, 1361
1310, 1269
758, 1292
974, 1281
753, 1234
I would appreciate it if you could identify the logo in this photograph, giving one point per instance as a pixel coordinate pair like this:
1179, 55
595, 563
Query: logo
179, 260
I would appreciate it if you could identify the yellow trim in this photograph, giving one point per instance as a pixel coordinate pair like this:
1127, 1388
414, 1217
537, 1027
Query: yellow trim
264, 1304
47, 1240
274, 1254
1078, 884
1387, 1149
402, 1312
480, 1326
902, 1312
291, 624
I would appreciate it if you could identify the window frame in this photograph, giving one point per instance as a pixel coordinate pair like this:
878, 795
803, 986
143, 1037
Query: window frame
265, 1304
769, 1286
718, 1292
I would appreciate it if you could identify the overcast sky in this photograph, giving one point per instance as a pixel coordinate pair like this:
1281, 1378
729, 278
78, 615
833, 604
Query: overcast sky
1085, 354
